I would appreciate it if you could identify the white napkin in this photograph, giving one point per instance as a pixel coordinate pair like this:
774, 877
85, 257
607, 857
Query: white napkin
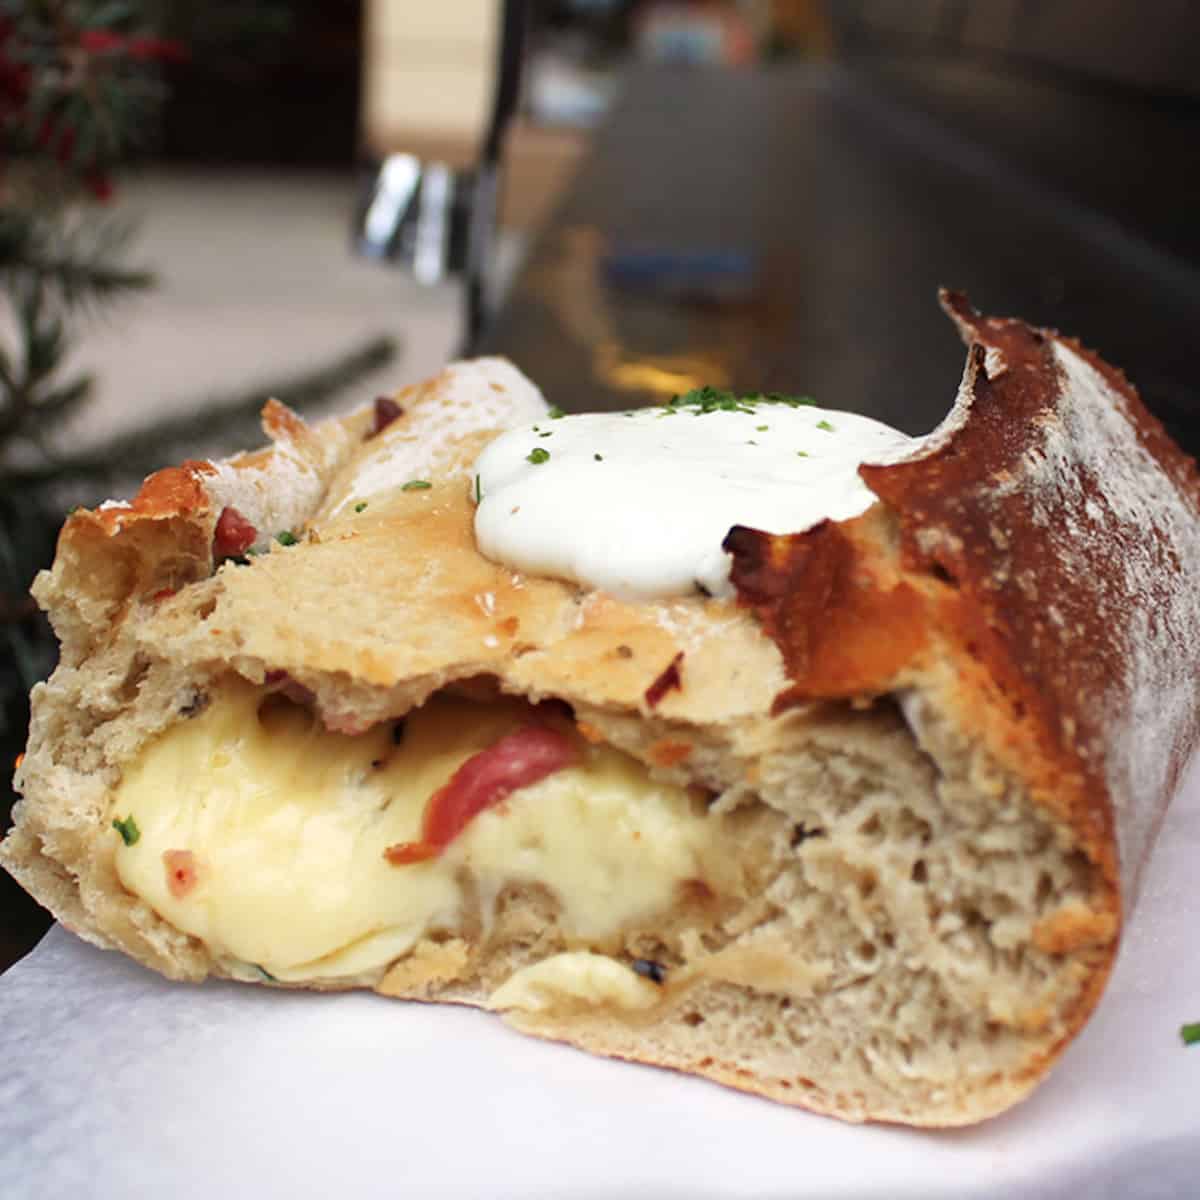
117, 1084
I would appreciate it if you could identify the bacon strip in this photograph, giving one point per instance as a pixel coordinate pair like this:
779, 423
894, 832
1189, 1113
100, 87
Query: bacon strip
233, 535
669, 680
486, 778
386, 411
181, 872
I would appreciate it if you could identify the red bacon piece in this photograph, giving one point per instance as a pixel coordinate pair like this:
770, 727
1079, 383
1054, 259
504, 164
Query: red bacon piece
486, 778
669, 680
386, 411
234, 535
181, 872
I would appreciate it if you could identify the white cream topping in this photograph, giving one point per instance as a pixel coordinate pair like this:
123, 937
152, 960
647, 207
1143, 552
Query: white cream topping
638, 503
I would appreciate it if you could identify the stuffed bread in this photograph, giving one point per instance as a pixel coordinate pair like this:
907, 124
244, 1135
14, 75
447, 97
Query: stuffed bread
858, 839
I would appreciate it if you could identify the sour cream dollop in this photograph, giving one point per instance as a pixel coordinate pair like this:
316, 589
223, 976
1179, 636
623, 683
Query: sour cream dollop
638, 503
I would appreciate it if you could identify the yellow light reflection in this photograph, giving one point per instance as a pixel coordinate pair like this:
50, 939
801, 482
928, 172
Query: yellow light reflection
655, 374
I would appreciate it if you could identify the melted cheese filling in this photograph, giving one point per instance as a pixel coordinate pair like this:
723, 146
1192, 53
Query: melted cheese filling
577, 979
286, 824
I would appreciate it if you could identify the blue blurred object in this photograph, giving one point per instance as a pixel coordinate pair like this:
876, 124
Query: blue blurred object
710, 274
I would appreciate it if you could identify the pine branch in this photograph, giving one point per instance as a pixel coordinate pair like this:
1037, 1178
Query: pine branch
26, 539
236, 417
76, 260
93, 80
51, 266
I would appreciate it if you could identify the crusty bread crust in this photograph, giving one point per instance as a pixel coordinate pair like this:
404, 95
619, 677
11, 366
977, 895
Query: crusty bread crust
951, 689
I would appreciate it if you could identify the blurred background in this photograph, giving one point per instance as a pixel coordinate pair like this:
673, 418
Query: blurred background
205, 204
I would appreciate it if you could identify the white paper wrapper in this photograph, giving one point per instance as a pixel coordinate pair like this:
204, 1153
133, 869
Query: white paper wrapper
116, 1083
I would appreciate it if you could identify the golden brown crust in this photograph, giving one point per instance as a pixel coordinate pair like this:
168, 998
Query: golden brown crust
845, 621
1042, 640
1059, 562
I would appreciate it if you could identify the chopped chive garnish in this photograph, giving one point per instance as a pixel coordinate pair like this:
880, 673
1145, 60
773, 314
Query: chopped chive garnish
360, 506
1190, 1033
761, 428
286, 538
598, 457
780, 398
802, 453
128, 830
417, 485
537, 455
710, 399
825, 425
548, 433
556, 412
478, 491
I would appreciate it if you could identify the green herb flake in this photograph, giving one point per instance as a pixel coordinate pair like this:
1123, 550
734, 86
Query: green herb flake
825, 425
128, 829
417, 485
761, 428
556, 413
537, 455
1190, 1033
360, 506
286, 538
267, 976
709, 399
598, 457
802, 453
478, 491
790, 401
548, 433
73, 509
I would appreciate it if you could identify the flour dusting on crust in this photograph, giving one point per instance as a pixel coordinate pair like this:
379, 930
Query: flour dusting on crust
1147, 716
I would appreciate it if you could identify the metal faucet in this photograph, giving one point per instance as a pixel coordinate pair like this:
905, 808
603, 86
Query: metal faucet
437, 220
